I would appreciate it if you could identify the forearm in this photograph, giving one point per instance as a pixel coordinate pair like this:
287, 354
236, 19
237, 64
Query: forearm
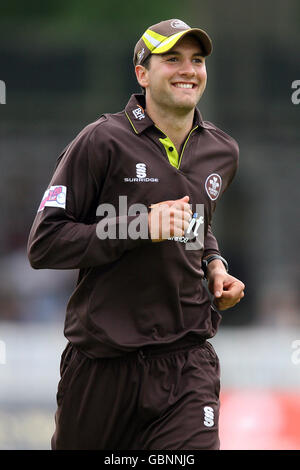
210, 244
73, 245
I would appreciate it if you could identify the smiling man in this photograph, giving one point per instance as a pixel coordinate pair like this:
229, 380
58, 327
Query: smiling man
174, 83
138, 371
176, 79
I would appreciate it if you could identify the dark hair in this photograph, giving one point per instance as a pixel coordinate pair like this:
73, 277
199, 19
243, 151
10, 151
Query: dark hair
146, 64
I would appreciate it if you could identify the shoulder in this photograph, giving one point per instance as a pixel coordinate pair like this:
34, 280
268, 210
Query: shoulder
222, 138
225, 149
93, 128
106, 126
78, 148
99, 132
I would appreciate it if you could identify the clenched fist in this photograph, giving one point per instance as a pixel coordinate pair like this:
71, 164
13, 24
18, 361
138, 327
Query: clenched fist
169, 219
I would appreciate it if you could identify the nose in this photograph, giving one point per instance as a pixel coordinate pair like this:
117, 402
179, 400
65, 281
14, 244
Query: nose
187, 69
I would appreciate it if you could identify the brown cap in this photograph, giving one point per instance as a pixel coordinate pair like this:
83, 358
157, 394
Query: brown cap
162, 36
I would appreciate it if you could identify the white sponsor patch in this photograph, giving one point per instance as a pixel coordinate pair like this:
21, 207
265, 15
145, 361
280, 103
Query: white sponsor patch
139, 113
55, 196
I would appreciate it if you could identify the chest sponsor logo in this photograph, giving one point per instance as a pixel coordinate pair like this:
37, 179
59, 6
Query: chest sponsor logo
138, 113
55, 196
141, 175
213, 186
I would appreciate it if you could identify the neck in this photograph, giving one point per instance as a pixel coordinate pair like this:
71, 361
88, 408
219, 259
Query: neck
175, 124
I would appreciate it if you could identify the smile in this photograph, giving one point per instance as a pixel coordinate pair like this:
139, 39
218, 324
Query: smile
184, 85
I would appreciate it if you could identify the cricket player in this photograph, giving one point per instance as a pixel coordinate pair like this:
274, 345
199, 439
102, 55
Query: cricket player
130, 205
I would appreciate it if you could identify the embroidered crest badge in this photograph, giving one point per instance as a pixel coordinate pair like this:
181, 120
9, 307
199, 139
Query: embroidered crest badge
213, 186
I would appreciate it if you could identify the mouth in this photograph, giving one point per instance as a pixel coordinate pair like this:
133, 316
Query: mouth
184, 85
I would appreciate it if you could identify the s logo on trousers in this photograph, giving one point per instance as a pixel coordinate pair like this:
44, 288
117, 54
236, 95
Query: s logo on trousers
208, 416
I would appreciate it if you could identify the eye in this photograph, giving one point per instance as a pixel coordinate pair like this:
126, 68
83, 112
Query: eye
172, 59
199, 60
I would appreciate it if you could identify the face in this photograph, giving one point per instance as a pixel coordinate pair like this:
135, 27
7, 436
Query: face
175, 80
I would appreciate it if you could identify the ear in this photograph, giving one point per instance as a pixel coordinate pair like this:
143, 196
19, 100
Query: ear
142, 76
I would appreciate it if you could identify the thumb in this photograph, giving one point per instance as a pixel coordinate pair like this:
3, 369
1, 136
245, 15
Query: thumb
218, 287
182, 199
170, 202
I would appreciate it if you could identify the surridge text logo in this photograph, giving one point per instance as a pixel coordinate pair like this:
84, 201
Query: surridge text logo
141, 175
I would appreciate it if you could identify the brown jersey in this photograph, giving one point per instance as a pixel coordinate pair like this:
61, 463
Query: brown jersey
132, 292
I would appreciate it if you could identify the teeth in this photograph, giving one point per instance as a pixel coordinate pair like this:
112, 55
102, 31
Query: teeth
184, 85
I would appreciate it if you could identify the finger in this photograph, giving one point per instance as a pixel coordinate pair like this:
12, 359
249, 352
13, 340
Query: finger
233, 290
228, 284
222, 305
181, 223
229, 297
162, 204
185, 199
232, 294
186, 214
181, 228
171, 202
179, 215
172, 222
181, 205
166, 203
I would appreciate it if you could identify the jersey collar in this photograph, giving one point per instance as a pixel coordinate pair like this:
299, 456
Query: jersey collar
139, 119
136, 114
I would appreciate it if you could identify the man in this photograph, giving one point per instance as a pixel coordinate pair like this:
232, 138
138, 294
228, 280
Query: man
138, 371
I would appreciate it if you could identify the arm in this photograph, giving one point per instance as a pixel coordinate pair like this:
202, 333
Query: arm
65, 237
227, 290
210, 244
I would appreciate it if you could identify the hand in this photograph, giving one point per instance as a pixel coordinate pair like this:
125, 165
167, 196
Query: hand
169, 218
227, 290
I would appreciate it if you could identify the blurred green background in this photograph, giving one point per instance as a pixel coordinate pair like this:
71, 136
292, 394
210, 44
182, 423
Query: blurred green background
66, 63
